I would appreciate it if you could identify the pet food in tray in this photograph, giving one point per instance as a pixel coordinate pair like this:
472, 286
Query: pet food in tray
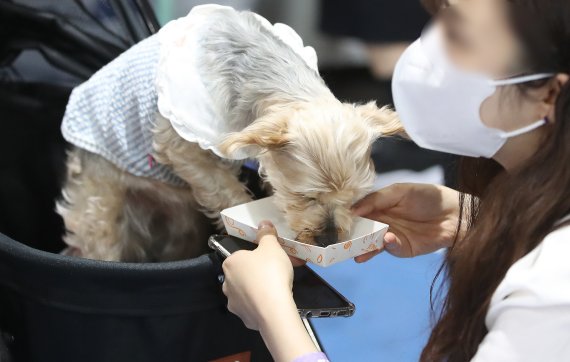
241, 221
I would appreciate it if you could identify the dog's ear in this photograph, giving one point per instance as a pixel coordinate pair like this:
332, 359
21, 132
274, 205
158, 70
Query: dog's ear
383, 121
266, 133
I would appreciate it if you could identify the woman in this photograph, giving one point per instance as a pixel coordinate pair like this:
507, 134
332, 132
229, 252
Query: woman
507, 229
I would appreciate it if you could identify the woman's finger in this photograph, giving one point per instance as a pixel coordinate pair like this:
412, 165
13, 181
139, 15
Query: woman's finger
267, 235
390, 238
266, 231
395, 246
267, 239
392, 245
366, 257
383, 199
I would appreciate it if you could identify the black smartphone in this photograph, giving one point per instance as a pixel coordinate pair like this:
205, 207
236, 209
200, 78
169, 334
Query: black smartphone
314, 297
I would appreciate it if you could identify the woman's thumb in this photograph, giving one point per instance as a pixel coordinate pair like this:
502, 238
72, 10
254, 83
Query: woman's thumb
393, 245
265, 232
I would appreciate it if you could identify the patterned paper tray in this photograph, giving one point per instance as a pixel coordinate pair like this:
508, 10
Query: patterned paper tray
241, 221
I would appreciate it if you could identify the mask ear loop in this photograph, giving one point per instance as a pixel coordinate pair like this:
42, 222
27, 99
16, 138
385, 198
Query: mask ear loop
520, 80
527, 129
523, 79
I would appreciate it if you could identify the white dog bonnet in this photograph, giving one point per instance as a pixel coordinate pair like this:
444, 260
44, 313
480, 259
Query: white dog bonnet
112, 114
191, 110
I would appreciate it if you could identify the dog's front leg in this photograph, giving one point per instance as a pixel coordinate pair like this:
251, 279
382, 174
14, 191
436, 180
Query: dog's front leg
214, 181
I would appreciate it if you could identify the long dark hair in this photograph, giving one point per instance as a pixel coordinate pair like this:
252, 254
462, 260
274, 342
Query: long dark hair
514, 211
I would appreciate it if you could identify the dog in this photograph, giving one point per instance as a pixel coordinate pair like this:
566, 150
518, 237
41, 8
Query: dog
260, 89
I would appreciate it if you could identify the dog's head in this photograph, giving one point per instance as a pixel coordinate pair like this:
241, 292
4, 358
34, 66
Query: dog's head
317, 159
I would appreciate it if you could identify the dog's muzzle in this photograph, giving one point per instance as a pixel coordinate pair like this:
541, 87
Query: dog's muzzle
329, 235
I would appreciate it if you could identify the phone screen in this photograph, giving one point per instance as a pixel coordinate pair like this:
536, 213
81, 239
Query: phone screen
313, 296
312, 292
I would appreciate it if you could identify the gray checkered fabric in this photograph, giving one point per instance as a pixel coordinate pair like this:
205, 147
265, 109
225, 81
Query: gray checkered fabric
112, 113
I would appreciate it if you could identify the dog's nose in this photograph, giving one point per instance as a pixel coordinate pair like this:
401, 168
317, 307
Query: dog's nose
329, 235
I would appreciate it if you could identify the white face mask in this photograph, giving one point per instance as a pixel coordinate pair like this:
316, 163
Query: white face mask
440, 105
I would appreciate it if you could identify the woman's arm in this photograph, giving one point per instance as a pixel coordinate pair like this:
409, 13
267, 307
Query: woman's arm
258, 285
285, 335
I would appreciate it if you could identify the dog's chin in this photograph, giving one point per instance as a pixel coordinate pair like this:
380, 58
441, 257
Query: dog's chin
306, 237
317, 239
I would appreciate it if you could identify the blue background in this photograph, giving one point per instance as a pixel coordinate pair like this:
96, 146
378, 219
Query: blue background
393, 317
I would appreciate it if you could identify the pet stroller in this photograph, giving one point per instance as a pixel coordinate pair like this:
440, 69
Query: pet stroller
56, 308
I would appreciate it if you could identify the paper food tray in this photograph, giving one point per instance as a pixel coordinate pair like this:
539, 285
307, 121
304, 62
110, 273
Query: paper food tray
241, 221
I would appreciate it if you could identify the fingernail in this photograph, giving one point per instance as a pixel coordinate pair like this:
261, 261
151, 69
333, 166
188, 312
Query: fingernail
390, 246
265, 225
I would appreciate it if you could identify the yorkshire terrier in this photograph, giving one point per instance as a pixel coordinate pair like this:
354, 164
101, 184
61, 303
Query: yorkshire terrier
266, 100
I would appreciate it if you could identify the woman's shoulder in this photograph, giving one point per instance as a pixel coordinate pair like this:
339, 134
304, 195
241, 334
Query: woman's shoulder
552, 255
529, 315
539, 279
541, 276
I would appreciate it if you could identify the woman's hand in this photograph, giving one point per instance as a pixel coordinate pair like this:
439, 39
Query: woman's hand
422, 218
258, 285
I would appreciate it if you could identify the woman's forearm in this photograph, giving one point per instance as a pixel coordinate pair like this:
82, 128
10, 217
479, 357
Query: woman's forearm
284, 332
